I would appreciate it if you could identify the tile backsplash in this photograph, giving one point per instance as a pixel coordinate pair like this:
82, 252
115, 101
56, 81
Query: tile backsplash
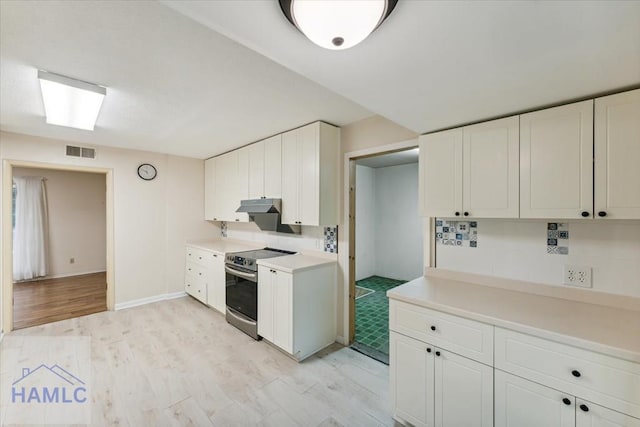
457, 233
519, 249
331, 239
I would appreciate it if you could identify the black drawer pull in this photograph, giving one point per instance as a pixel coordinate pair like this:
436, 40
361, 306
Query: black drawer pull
433, 328
576, 374
584, 407
566, 401
428, 349
602, 214
437, 353
466, 214
585, 214
457, 213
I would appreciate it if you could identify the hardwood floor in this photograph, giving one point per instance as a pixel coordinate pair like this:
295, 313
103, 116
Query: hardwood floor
178, 363
50, 300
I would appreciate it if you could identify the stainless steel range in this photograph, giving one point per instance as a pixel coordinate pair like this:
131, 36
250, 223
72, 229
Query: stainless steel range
242, 287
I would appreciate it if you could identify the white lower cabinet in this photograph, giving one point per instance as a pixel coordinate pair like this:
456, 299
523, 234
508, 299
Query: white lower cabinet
216, 286
204, 277
523, 403
435, 387
296, 311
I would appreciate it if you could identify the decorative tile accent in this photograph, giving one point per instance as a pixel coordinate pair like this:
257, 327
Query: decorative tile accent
223, 228
557, 238
457, 233
331, 239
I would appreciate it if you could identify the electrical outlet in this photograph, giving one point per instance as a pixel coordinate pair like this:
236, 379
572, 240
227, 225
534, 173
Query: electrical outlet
72, 260
576, 275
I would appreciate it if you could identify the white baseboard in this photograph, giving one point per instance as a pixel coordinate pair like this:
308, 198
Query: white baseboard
149, 300
341, 340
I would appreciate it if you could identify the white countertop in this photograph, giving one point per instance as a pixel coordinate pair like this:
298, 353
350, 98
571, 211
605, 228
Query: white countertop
604, 329
295, 263
223, 246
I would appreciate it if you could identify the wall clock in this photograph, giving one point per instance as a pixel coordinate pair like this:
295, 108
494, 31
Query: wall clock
147, 171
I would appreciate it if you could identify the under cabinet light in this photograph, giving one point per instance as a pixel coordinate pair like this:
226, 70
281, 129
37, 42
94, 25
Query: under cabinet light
70, 102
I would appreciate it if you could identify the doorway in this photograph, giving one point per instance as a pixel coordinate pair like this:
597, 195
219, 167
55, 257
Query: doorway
8, 167
388, 242
59, 245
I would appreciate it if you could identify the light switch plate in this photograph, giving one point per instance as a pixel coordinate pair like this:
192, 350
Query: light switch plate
576, 275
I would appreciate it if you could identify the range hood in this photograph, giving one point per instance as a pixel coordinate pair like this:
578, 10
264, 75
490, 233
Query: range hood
266, 214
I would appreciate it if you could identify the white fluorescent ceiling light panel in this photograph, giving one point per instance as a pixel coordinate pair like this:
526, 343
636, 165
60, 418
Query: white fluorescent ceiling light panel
70, 102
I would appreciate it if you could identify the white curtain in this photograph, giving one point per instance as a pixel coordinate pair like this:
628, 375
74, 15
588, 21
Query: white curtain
31, 229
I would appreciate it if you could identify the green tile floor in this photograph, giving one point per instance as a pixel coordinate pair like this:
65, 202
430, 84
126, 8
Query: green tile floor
372, 316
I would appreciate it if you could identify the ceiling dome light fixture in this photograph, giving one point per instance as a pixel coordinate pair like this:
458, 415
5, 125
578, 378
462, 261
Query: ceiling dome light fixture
337, 24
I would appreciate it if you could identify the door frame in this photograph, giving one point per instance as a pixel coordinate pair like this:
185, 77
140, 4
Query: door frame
7, 231
348, 257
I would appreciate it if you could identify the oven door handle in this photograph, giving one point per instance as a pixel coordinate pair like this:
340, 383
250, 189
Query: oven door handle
249, 276
240, 317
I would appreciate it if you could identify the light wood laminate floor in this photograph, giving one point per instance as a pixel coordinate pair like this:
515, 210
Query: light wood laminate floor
178, 363
44, 301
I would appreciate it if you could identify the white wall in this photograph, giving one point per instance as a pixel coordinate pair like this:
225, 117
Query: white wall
76, 204
152, 219
390, 240
516, 249
365, 222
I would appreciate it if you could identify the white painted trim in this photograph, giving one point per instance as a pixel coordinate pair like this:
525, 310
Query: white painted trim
341, 340
149, 300
343, 258
60, 276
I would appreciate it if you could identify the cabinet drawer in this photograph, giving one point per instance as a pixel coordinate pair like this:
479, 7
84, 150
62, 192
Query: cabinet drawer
196, 271
602, 379
196, 288
463, 336
197, 256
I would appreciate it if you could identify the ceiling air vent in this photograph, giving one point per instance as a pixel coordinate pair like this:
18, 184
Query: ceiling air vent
88, 153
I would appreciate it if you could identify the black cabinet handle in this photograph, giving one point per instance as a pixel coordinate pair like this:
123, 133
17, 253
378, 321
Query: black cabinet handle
566, 401
602, 214
433, 328
585, 214
584, 407
457, 213
437, 353
466, 214
576, 374
237, 219
428, 349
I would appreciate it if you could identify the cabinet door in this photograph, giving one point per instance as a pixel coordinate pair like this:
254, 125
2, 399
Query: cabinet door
242, 185
216, 289
463, 391
209, 189
283, 311
256, 170
266, 301
441, 173
411, 369
591, 415
522, 403
490, 174
617, 155
309, 199
226, 170
290, 179
273, 167
556, 162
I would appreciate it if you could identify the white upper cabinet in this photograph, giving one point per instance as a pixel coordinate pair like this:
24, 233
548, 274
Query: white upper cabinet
490, 169
556, 162
209, 189
310, 161
265, 168
617, 156
440, 168
231, 185
471, 171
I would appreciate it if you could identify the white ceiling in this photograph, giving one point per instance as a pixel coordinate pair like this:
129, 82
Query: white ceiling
392, 159
178, 87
